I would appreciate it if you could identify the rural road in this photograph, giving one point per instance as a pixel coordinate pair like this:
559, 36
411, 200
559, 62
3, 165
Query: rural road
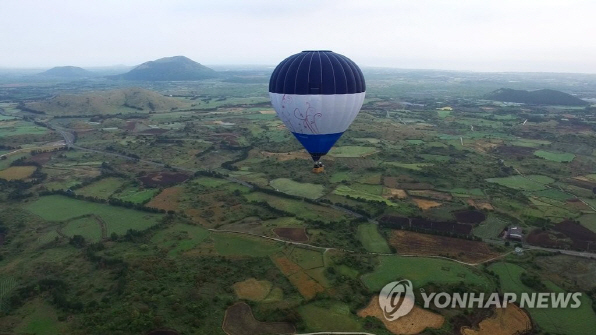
562, 251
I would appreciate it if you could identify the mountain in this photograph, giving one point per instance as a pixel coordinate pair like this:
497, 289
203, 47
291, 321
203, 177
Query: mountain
539, 97
67, 72
127, 100
169, 69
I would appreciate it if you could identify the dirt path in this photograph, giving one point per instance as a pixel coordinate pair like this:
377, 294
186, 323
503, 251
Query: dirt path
102, 225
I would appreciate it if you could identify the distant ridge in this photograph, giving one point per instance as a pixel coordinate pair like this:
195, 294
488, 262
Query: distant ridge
67, 72
175, 68
539, 97
125, 100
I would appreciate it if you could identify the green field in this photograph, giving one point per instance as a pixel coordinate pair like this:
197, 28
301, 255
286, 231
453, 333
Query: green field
490, 228
371, 239
41, 319
347, 271
589, 221
306, 258
101, 189
5, 163
374, 189
337, 177
554, 194
228, 244
180, 238
352, 151
575, 190
335, 317
48, 237
344, 190
415, 142
555, 157
135, 195
367, 140
435, 158
209, 182
118, 220
525, 183
529, 143
88, 227
260, 116
301, 209
409, 166
284, 222
505, 117
466, 192
578, 321
21, 128
306, 190
443, 113
422, 271
371, 179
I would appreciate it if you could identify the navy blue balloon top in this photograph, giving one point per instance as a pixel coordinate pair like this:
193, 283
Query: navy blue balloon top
317, 72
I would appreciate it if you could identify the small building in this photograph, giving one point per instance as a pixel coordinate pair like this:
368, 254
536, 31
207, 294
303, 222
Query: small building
515, 233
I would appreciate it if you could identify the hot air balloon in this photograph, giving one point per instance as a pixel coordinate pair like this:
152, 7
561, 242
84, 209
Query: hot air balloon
317, 95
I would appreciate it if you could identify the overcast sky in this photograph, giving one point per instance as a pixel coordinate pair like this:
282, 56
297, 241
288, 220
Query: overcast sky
475, 35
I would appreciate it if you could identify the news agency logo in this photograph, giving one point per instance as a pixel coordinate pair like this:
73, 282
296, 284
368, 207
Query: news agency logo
397, 299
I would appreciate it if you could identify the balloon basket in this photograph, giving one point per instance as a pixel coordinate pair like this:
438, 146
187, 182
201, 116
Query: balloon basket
318, 169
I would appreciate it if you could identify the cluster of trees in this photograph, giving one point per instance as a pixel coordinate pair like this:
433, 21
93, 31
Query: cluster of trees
21, 106
272, 209
229, 165
592, 294
7, 147
56, 289
533, 281
39, 151
209, 173
377, 207
351, 290
17, 189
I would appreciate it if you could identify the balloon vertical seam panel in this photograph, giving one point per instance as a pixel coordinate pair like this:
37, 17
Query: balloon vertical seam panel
296, 75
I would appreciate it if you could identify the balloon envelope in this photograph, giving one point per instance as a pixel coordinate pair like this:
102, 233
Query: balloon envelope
317, 95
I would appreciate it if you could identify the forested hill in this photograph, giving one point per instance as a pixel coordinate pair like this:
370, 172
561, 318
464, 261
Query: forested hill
539, 97
169, 69
67, 72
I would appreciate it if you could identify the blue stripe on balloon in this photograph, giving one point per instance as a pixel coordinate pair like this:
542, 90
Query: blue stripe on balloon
318, 144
